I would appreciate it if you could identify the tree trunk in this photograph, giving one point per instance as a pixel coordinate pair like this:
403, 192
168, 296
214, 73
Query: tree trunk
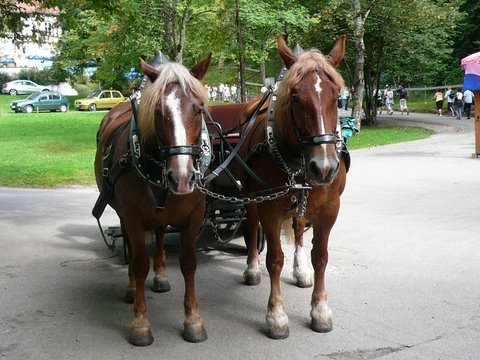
359, 63
181, 40
241, 58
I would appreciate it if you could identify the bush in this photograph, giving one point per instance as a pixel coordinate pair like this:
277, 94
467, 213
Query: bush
53, 75
4, 77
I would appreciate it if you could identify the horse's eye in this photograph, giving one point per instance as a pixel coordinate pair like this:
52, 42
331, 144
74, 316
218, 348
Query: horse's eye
295, 97
198, 109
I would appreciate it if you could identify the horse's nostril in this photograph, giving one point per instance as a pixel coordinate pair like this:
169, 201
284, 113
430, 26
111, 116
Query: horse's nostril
314, 169
170, 178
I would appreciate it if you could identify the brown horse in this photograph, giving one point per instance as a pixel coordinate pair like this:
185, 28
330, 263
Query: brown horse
297, 140
169, 130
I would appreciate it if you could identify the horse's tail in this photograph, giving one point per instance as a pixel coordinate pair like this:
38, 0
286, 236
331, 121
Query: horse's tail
287, 230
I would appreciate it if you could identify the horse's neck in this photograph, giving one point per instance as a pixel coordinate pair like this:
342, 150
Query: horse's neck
114, 120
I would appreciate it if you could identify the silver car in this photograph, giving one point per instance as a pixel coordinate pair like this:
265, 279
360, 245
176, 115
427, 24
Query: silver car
26, 87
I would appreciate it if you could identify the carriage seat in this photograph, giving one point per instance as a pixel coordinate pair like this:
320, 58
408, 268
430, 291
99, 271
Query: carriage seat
227, 117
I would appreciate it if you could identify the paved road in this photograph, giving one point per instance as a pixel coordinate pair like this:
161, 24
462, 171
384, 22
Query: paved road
402, 278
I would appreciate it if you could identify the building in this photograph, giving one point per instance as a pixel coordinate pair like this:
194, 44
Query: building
30, 55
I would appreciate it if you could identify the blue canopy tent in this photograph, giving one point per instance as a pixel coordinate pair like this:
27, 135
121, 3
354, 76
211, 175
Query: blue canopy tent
7, 60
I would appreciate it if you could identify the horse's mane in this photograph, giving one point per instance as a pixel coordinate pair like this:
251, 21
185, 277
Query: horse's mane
154, 94
310, 61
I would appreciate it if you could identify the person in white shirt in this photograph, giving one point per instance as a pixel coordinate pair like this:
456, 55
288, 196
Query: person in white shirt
450, 97
389, 100
458, 105
468, 100
233, 91
221, 89
226, 93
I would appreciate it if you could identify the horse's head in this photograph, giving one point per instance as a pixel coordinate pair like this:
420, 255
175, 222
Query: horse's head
307, 122
170, 119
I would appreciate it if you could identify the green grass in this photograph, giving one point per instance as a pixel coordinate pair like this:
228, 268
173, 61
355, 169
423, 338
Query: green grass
377, 136
48, 150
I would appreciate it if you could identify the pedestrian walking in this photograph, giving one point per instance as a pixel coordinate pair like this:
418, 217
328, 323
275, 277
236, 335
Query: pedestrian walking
377, 95
233, 92
468, 100
450, 97
403, 95
458, 105
438, 96
389, 100
344, 95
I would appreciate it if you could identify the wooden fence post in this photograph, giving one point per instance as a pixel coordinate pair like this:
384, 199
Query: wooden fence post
477, 123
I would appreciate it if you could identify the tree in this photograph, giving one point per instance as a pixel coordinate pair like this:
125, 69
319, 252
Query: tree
397, 44
13, 20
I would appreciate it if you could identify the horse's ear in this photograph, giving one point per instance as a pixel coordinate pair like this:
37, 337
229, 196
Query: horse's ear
285, 53
149, 70
338, 51
199, 70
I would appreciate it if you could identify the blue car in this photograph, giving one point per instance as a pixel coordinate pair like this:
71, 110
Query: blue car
42, 101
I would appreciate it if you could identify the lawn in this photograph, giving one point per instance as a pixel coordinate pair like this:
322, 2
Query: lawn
46, 149
57, 149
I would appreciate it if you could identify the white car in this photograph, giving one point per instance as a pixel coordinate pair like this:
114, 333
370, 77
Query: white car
26, 87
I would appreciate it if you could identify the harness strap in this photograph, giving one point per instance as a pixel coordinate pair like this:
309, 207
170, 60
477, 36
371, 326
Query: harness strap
234, 151
111, 173
137, 156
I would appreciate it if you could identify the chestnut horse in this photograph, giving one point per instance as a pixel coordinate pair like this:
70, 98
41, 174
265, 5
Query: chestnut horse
297, 140
169, 129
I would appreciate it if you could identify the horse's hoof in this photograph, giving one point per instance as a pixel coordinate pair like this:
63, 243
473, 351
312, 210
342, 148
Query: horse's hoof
141, 336
160, 285
303, 283
321, 326
194, 333
278, 333
251, 278
130, 296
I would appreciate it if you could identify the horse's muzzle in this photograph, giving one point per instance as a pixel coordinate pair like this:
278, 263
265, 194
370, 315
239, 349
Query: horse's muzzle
180, 184
321, 171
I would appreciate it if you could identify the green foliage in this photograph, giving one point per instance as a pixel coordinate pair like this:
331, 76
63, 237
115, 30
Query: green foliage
4, 77
401, 37
46, 76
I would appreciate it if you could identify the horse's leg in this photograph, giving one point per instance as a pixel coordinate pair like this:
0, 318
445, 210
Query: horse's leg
193, 323
160, 280
321, 314
140, 333
302, 273
252, 275
276, 319
130, 292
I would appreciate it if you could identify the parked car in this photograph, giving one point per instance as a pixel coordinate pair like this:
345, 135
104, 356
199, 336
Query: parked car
22, 87
100, 99
42, 101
